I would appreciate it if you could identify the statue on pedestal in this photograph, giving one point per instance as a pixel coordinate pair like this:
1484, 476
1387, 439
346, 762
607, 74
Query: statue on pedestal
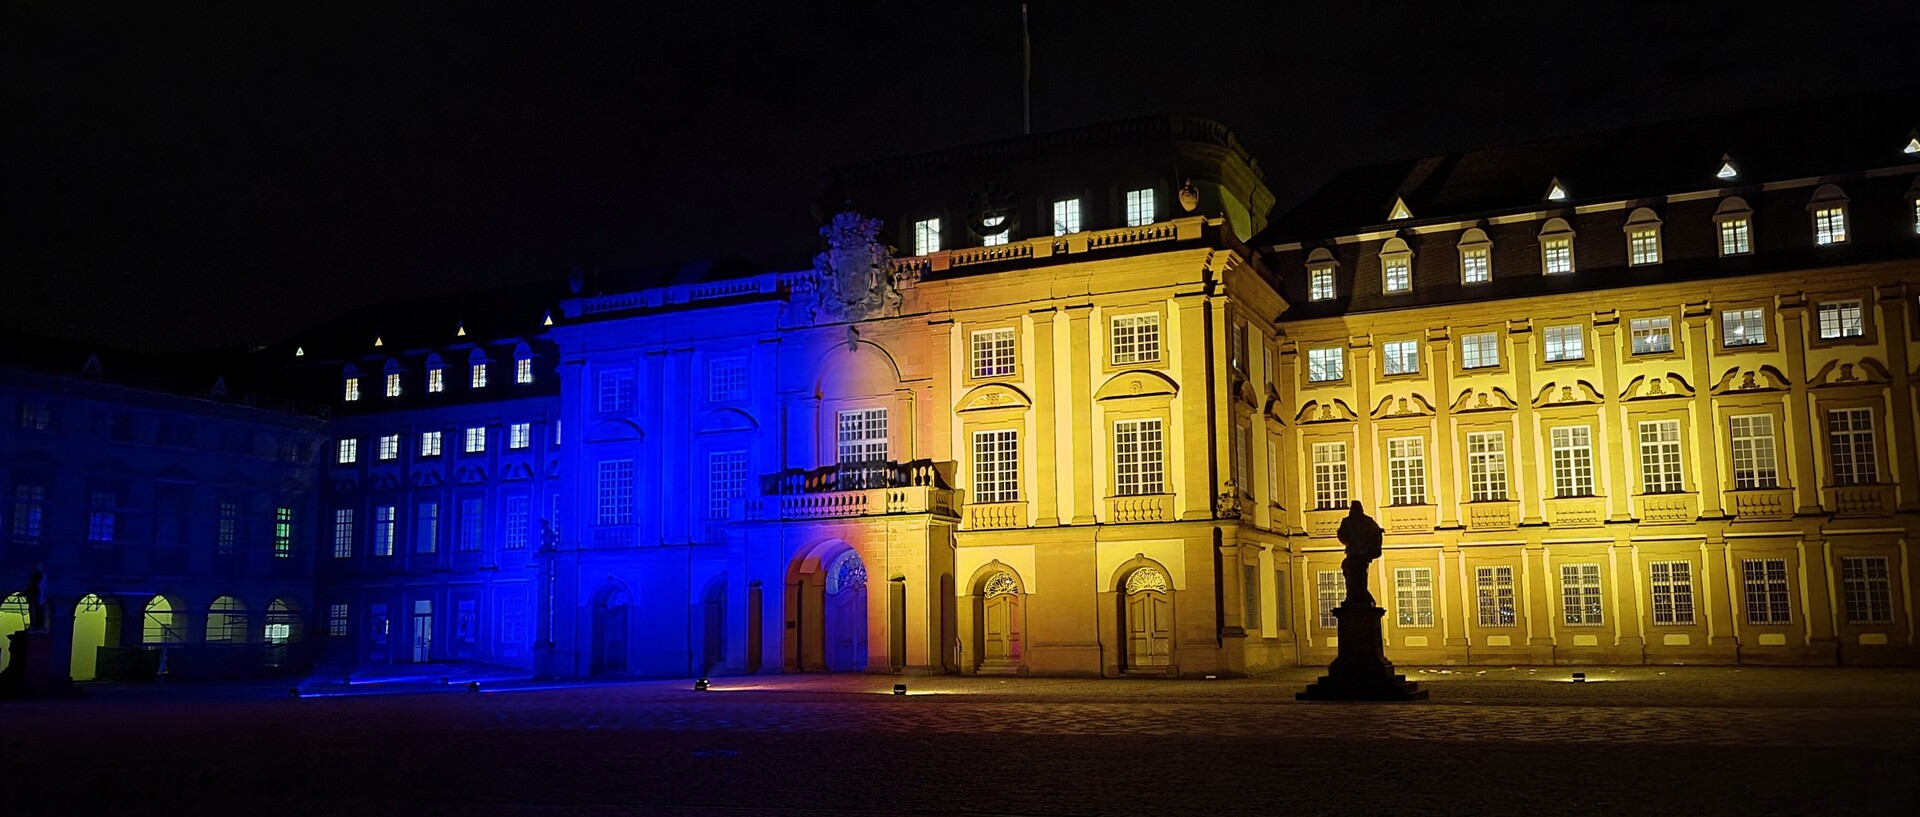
1362, 536
36, 593
1360, 671
549, 537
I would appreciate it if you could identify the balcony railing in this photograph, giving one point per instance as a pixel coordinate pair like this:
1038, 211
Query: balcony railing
1762, 503
1667, 509
1492, 515
1408, 518
1860, 500
1324, 521
1140, 508
852, 489
1576, 511
996, 515
858, 476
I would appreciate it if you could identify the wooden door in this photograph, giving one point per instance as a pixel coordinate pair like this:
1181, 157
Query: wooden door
1149, 629
1000, 616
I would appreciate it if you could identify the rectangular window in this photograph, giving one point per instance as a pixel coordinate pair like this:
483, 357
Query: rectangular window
29, 504
1830, 225
523, 370
727, 379
1735, 237
472, 524
726, 481
1572, 460
1137, 456
1413, 596
101, 516
1841, 319
1325, 365
377, 624
1397, 273
393, 384
1558, 255
992, 353
1480, 350
430, 444
1765, 583
1580, 595
926, 236
476, 440
426, 536
1743, 327
519, 435
1407, 471
1476, 265
1400, 357
1243, 460
1237, 347
998, 238
436, 380
1566, 342
1330, 588
1493, 590
1660, 457
862, 436
1273, 472
282, 532
479, 375
35, 416
1487, 466
383, 524
228, 534
513, 622
1672, 584
1136, 339
1320, 284
343, 533
1066, 216
389, 446
1329, 475
352, 389
519, 518
349, 451
1869, 592
1850, 444
337, 620
1643, 247
996, 466
1754, 464
616, 390
1139, 207
1651, 335
615, 491
1250, 598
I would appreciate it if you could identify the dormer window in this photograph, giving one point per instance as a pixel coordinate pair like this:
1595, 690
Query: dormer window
522, 364
393, 377
1140, 207
1066, 216
1556, 247
1643, 238
351, 392
1396, 266
1734, 222
436, 375
477, 363
1476, 257
926, 236
1320, 281
1829, 208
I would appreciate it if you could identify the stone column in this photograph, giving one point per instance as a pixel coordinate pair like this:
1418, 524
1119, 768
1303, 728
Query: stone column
1822, 611
1046, 468
1718, 592
1455, 624
1541, 588
1080, 401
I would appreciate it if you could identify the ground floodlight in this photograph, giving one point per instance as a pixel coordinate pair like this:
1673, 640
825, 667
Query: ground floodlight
1579, 677
294, 692
899, 689
473, 686
700, 685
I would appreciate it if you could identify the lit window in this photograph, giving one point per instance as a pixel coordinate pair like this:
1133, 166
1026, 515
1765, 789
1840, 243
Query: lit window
1066, 216
727, 379
1237, 346
1566, 342
1273, 471
383, 524
353, 389
1400, 357
1850, 444
1487, 466
860, 439
1572, 448
1743, 327
1651, 335
1136, 339
102, 516
523, 370
390, 447
1243, 459
1830, 225
282, 532
1330, 589
472, 524
1493, 590
1643, 246
1660, 457
1397, 274
1413, 596
1765, 584
29, 506
926, 236
349, 451
1476, 265
479, 375
1325, 365
1330, 475
1754, 463
996, 466
519, 435
1137, 450
1868, 589
1672, 585
1580, 595
1916, 216
615, 493
992, 353
616, 390
726, 481
1480, 350
1841, 319
337, 620
996, 230
519, 519
426, 519
1735, 237
1407, 471
1556, 247
1139, 207
436, 376
343, 533
1320, 285
393, 384
476, 440
430, 444
35, 415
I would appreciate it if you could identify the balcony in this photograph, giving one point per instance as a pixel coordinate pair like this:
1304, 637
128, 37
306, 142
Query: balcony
1324, 521
1667, 509
614, 536
1576, 511
1141, 508
856, 489
1761, 503
996, 515
1408, 518
1491, 515
1859, 500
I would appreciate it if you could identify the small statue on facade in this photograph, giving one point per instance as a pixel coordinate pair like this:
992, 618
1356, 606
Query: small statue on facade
1363, 537
549, 537
36, 594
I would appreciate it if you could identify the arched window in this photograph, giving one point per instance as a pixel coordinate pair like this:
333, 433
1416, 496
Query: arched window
436, 374
477, 363
1829, 210
1476, 257
160, 625
1320, 281
226, 621
1396, 266
1733, 222
522, 364
283, 629
351, 376
392, 372
1643, 238
1556, 247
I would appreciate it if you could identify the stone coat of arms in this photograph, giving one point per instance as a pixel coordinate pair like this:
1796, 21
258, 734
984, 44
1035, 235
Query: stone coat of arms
853, 278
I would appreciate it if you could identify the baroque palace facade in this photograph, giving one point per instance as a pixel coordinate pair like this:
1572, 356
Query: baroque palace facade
1069, 404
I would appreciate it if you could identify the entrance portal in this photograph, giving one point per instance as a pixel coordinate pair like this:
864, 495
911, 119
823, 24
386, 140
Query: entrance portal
610, 622
422, 631
1001, 621
96, 623
846, 613
1149, 620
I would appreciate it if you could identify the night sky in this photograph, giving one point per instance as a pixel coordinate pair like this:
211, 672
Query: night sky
182, 178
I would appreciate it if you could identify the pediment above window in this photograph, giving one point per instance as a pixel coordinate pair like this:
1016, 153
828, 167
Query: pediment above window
1763, 378
1407, 405
1863, 373
1490, 399
993, 396
1329, 411
1575, 393
1137, 384
1655, 388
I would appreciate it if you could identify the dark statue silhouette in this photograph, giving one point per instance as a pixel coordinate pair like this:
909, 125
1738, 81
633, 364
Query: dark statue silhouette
1360, 671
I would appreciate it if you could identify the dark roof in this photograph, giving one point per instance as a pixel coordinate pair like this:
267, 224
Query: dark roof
1790, 141
433, 321
193, 374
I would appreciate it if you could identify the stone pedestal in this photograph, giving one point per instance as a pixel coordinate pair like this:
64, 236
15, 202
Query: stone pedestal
31, 669
1361, 671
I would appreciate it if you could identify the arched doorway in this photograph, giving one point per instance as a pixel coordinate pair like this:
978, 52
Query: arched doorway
611, 627
1148, 621
160, 624
227, 621
282, 631
13, 619
96, 623
844, 614
713, 626
1001, 624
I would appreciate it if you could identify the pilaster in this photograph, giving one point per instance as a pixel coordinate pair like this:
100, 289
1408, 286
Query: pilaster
1894, 301
1080, 401
1045, 442
1361, 466
1606, 325
1704, 454
1718, 585
1792, 311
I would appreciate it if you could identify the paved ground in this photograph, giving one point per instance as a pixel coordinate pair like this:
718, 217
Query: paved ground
1506, 741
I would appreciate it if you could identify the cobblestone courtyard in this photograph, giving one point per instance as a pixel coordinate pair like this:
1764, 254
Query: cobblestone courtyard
1637, 740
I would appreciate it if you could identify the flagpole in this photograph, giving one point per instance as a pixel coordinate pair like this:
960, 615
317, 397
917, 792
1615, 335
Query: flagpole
1026, 74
